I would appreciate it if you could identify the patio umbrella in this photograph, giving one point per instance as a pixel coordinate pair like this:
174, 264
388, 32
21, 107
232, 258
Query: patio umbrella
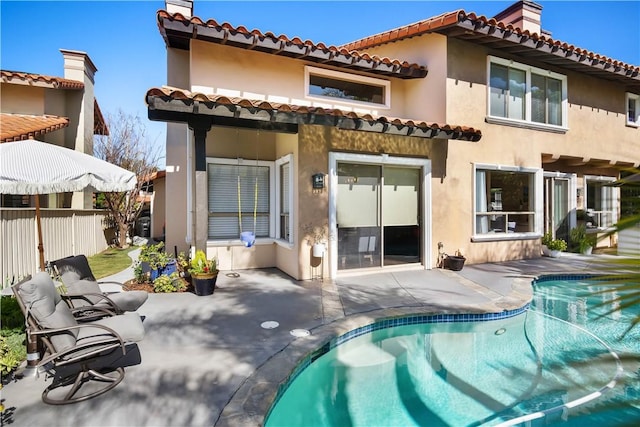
34, 167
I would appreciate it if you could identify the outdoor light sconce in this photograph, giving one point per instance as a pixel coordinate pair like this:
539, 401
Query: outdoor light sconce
317, 181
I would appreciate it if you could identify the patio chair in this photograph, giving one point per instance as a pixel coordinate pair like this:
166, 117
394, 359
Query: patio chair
75, 353
84, 290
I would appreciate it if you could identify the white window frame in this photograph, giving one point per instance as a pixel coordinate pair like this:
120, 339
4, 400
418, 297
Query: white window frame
279, 163
538, 212
338, 75
632, 97
527, 122
615, 199
272, 201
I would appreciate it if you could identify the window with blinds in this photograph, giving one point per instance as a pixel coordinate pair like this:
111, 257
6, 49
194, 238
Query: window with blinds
226, 184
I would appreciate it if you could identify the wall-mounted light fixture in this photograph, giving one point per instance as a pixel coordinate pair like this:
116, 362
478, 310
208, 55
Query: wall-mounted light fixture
317, 181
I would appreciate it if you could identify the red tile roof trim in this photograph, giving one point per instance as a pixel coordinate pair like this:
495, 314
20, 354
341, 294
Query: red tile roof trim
482, 24
225, 33
382, 123
30, 79
18, 127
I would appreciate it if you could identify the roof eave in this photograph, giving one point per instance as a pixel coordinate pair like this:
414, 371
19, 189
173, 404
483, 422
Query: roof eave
183, 109
178, 32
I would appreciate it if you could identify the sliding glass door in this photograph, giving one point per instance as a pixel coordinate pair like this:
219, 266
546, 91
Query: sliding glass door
378, 215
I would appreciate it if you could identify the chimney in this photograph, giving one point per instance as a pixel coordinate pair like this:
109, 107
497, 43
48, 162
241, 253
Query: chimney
524, 14
184, 7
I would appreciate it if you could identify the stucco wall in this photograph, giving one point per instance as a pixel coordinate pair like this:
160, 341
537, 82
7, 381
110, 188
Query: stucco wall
177, 234
18, 99
255, 75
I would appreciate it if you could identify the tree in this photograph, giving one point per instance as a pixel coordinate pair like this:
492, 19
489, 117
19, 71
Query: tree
126, 145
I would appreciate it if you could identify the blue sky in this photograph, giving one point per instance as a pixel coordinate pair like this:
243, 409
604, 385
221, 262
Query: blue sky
123, 40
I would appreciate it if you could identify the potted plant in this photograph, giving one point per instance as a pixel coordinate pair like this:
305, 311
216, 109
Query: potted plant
454, 262
581, 241
204, 273
552, 247
156, 260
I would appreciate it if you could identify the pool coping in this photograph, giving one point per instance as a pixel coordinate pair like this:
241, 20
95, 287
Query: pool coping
252, 401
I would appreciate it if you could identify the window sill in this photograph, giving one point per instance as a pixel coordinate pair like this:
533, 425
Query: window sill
499, 237
525, 125
284, 244
261, 241
633, 125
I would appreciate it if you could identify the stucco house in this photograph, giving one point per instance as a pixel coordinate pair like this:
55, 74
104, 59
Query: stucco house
456, 133
61, 111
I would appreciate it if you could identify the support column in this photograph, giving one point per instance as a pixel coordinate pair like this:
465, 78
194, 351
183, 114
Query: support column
200, 199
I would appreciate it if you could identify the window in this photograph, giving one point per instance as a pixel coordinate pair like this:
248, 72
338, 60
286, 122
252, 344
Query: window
265, 193
284, 195
633, 109
601, 202
249, 182
504, 200
346, 88
519, 93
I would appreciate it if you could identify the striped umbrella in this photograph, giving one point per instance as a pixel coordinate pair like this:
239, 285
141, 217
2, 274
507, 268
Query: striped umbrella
34, 167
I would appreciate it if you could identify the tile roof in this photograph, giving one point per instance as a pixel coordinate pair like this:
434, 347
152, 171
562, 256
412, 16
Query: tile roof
177, 30
17, 77
17, 127
500, 35
182, 103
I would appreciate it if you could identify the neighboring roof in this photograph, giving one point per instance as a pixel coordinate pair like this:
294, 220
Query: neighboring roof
172, 104
507, 38
177, 31
18, 127
99, 124
29, 79
40, 80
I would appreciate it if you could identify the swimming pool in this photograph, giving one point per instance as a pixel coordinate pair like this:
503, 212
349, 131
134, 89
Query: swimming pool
553, 360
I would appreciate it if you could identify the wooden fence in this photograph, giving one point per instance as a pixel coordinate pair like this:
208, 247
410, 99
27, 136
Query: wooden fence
65, 232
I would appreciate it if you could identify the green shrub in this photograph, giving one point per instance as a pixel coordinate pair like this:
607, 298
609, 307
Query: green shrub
580, 240
12, 349
170, 283
10, 314
554, 244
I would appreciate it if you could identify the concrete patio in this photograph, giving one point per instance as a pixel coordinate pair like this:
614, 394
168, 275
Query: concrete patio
207, 361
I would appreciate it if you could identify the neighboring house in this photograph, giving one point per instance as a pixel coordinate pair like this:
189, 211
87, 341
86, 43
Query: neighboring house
481, 134
151, 222
61, 111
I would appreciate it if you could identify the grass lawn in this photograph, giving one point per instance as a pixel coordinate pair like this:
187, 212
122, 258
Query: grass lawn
110, 261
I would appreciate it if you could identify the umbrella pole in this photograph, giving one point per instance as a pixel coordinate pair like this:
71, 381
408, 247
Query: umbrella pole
39, 225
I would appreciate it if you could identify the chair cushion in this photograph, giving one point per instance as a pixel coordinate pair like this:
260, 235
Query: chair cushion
84, 287
44, 303
128, 300
74, 268
128, 326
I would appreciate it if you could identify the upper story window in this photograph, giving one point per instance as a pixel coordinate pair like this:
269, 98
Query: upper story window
633, 109
347, 88
526, 95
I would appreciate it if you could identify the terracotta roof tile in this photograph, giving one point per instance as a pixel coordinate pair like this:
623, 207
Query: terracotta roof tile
18, 77
483, 26
178, 29
160, 98
17, 127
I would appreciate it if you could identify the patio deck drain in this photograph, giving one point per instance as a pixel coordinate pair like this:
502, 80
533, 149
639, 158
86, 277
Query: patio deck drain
271, 324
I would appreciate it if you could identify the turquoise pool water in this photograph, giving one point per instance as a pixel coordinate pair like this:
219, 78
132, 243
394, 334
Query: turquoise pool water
554, 363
